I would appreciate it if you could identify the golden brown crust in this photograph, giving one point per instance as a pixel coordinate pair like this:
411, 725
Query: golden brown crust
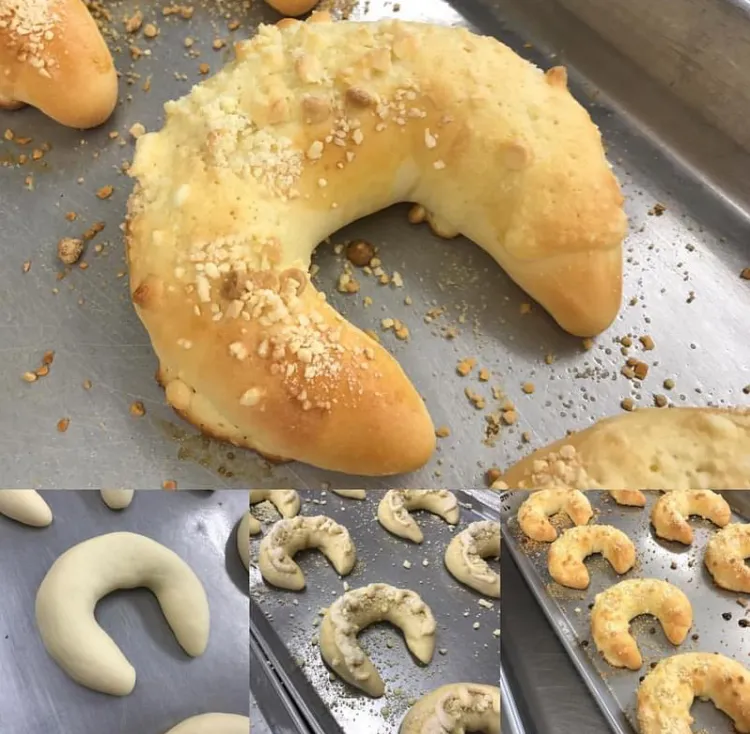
679, 448
53, 57
293, 7
315, 125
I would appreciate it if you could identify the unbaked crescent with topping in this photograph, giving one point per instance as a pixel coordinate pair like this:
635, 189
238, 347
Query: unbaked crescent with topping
286, 501
466, 554
455, 709
313, 126
397, 504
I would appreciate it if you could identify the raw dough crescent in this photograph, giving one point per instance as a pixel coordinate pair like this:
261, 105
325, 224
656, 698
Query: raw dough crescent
360, 608
455, 709
668, 691
80, 577
287, 537
315, 125
725, 557
25, 506
670, 514
354, 494
53, 57
465, 556
213, 724
394, 509
567, 553
286, 501
117, 499
533, 513
652, 448
248, 526
615, 607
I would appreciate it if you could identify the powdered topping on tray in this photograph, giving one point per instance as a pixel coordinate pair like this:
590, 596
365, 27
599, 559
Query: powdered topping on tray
29, 26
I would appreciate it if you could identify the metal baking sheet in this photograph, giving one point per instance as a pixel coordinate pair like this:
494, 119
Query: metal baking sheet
509, 714
568, 610
201, 527
286, 623
682, 268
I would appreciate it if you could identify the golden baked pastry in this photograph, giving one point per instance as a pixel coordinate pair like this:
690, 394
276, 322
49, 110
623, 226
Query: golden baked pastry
394, 509
725, 557
670, 514
455, 709
533, 513
53, 57
567, 553
292, 8
360, 608
615, 607
287, 537
668, 691
353, 494
629, 497
678, 448
286, 501
317, 124
465, 555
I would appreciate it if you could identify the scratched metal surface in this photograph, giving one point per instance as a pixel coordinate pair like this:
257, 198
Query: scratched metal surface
286, 623
37, 697
699, 246
568, 610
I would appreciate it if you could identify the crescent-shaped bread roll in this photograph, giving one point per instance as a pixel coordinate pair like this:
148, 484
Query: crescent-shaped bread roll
53, 57
533, 513
466, 553
725, 557
353, 494
360, 608
615, 607
677, 448
286, 501
287, 537
567, 554
668, 691
455, 709
397, 504
248, 526
315, 125
85, 573
670, 514
213, 724
117, 499
25, 506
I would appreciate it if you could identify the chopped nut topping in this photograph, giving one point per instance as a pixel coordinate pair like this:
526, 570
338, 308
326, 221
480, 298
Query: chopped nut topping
466, 365
138, 409
360, 252
69, 250
150, 30
105, 192
443, 432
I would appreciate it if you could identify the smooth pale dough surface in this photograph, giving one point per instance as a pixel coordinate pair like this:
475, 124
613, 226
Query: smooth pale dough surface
668, 691
213, 724
286, 501
357, 609
455, 709
466, 554
80, 577
53, 57
117, 499
246, 528
313, 126
652, 448
619, 604
353, 494
566, 556
397, 504
25, 506
671, 512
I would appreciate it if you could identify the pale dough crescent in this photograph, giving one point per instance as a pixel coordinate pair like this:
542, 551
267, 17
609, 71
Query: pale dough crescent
455, 709
359, 608
353, 494
80, 577
675, 448
286, 501
317, 124
53, 57
25, 506
117, 499
244, 531
668, 691
213, 724
465, 555
395, 508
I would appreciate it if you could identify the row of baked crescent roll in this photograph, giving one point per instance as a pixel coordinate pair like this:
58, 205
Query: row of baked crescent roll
450, 709
667, 692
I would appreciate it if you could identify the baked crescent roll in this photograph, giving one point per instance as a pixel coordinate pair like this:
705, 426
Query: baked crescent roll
313, 126
53, 57
679, 448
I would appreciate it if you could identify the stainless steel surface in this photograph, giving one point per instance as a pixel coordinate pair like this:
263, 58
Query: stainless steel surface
288, 621
37, 697
511, 718
682, 282
568, 610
